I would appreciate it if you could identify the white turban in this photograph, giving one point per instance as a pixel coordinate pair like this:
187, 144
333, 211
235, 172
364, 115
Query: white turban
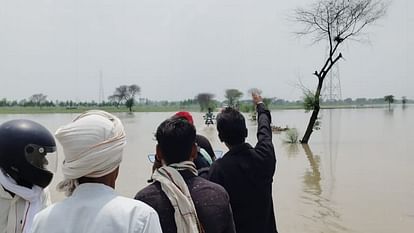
92, 146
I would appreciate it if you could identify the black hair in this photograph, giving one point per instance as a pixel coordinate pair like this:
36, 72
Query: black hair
176, 137
231, 126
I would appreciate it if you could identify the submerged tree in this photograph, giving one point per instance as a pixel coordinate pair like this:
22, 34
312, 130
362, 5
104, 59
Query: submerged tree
132, 91
233, 96
125, 94
389, 99
334, 21
205, 100
119, 95
404, 101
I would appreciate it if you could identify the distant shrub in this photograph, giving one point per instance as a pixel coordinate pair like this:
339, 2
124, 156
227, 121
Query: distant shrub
309, 101
291, 136
246, 107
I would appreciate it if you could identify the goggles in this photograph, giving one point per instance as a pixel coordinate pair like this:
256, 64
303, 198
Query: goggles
42, 157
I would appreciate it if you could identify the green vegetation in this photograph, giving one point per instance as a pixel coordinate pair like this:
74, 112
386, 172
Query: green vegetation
138, 108
145, 105
38, 99
206, 101
309, 101
125, 94
291, 136
233, 96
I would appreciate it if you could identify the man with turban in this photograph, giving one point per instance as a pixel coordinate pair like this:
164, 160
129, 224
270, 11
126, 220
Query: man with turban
93, 145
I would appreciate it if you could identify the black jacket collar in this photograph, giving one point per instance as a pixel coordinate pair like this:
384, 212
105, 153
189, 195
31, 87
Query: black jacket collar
238, 148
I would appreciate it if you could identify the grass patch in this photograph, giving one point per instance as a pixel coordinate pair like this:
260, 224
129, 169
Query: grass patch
291, 136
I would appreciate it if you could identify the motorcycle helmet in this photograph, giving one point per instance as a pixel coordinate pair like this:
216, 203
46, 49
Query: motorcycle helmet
25, 147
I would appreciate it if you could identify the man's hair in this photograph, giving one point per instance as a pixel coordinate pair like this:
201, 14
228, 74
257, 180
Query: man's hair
231, 126
176, 138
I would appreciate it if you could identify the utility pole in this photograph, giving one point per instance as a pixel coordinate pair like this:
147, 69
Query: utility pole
101, 95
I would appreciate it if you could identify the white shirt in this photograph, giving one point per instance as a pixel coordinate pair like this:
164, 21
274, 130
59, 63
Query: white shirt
96, 208
12, 211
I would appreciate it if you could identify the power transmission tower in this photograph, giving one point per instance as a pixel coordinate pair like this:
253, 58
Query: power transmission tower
332, 90
101, 95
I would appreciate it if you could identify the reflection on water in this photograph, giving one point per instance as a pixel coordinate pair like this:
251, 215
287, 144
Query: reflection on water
292, 149
389, 112
356, 176
323, 210
312, 177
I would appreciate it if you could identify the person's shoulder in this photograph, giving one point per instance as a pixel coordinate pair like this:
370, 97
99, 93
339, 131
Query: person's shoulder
133, 204
149, 190
55, 207
200, 137
151, 195
227, 158
202, 141
153, 187
216, 165
220, 164
204, 184
207, 193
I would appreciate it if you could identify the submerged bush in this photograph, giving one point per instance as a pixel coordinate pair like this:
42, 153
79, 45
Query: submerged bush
291, 135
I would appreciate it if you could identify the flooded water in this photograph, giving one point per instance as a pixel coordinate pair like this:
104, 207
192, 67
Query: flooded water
356, 174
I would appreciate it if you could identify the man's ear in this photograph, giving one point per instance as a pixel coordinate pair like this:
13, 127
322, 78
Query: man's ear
194, 153
159, 155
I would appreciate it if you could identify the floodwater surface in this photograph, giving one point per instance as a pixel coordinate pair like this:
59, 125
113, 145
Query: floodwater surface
356, 174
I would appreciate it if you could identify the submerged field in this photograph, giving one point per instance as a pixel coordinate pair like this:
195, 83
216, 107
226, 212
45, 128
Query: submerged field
355, 176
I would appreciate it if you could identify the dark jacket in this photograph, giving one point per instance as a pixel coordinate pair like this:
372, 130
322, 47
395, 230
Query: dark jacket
201, 163
246, 173
211, 202
204, 143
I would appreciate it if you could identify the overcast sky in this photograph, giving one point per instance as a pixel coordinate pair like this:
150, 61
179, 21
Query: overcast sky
176, 49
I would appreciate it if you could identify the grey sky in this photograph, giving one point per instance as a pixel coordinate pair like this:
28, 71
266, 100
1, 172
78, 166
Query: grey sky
176, 49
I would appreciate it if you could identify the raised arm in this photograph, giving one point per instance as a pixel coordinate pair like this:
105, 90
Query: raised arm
264, 132
264, 147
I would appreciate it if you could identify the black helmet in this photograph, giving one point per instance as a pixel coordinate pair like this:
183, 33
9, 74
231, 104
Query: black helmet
23, 147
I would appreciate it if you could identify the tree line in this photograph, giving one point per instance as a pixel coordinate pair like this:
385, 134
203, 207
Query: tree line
233, 98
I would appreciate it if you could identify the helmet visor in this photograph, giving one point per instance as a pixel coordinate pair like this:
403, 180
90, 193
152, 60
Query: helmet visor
42, 157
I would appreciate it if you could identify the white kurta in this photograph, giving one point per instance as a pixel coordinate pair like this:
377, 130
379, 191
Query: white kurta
96, 208
12, 211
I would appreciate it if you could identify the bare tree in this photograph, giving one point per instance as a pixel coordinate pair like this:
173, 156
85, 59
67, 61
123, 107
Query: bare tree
125, 94
38, 99
233, 96
205, 100
335, 21
132, 90
119, 95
